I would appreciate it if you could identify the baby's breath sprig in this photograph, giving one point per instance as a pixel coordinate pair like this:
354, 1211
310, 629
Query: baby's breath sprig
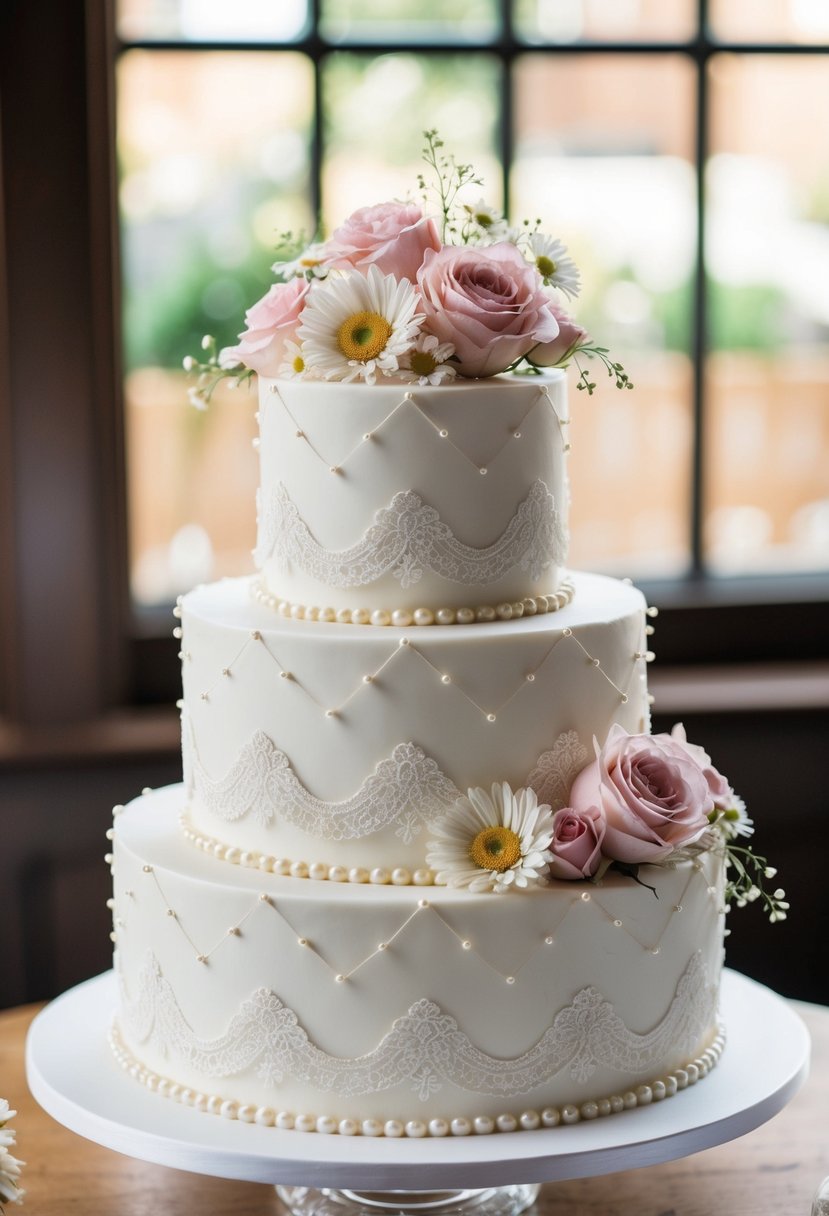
450, 177
614, 370
211, 372
746, 876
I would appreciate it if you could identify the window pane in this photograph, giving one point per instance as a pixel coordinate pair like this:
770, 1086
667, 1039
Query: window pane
370, 162
213, 153
408, 20
605, 160
767, 251
608, 20
771, 20
212, 20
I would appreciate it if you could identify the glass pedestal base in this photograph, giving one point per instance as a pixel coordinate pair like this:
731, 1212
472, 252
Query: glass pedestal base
327, 1201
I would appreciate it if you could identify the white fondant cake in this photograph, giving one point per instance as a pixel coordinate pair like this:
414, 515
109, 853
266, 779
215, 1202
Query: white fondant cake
328, 734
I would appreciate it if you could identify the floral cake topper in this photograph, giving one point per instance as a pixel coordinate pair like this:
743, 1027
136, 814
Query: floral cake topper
643, 800
420, 293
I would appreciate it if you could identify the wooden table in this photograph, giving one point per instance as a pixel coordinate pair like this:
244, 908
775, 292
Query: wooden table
774, 1171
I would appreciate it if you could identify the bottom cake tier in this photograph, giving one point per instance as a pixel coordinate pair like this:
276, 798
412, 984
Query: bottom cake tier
374, 1010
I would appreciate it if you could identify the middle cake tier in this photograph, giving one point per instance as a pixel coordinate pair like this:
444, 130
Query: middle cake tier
337, 746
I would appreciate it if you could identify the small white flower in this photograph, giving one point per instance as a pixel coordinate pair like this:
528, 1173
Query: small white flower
10, 1191
426, 362
354, 325
492, 841
554, 264
197, 398
492, 223
312, 263
293, 363
735, 821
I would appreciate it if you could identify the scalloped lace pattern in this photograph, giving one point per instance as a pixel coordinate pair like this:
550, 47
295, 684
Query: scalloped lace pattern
556, 770
407, 538
407, 789
424, 1046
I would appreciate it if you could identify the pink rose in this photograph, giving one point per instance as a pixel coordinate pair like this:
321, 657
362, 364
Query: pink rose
271, 322
577, 842
556, 353
391, 236
488, 302
653, 792
718, 786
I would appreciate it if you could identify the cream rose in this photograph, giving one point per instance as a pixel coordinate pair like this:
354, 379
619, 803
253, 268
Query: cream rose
391, 236
654, 795
488, 302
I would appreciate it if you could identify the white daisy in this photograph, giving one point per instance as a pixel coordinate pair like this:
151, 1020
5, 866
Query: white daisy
426, 362
492, 223
554, 264
492, 841
312, 263
10, 1191
354, 325
735, 820
293, 362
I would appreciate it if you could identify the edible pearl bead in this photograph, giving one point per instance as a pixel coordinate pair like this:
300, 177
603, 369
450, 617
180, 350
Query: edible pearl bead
445, 616
483, 1125
360, 616
348, 1127
338, 874
372, 1127
344, 616
644, 1095
518, 608
285, 1121
401, 877
589, 1110
530, 607
305, 1123
282, 867
670, 1086
265, 1116
465, 616
357, 874
380, 617
232, 855
298, 612
266, 862
327, 614
299, 869
506, 1123
312, 613
604, 1106
416, 1128
424, 616
401, 618
393, 1128
693, 1073
422, 878
485, 614
214, 1104
438, 1127
326, 1125
318, 871
550, 1116
530, 1120
659, 1091
570, 1113
504, 612
460, 1127
617, 1104
379, 876
246, 1114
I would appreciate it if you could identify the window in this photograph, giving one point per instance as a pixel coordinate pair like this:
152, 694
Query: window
663, 150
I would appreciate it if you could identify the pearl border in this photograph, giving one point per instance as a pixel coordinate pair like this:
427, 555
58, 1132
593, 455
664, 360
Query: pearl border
417, 1129
403, 618
320, 871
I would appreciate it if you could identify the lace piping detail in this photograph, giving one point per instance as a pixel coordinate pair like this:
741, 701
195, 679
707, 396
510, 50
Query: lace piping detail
407, 538
424, 1046
556, 770
406, 790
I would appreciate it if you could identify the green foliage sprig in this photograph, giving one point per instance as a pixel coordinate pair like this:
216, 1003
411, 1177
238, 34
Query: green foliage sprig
449, 179
614, 370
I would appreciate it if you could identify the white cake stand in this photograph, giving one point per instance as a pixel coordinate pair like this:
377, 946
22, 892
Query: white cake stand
74, 1077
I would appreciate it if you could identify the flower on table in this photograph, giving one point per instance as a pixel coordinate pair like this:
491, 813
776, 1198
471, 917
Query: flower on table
10, 1190
354, 326
496, 841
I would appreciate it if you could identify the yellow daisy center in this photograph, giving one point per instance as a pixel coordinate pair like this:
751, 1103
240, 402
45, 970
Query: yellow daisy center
422, 363
298, 365
483, 219
363, 336
546, 266
496, 848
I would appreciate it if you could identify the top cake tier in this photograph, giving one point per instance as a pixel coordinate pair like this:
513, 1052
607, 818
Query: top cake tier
392, 497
